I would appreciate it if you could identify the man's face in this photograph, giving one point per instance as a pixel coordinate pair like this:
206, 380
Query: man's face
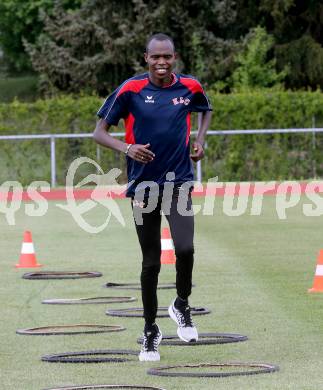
160, 58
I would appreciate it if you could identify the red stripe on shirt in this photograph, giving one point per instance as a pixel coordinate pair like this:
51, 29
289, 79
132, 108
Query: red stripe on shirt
133, 86
188, 124
129, 122
193, 85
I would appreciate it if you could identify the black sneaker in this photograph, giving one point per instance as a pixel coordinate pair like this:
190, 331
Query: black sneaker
186, 330
151, 340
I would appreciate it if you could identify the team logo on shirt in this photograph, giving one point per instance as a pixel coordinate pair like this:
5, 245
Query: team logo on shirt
136, 203
181, 100
149, 99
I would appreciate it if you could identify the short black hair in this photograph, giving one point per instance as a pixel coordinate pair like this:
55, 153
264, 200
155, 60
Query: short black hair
159, 37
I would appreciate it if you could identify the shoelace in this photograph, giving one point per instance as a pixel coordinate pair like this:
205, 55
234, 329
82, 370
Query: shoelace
150, 342
184, 317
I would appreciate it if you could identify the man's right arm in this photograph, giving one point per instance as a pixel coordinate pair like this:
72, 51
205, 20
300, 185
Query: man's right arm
137, 152
102, 137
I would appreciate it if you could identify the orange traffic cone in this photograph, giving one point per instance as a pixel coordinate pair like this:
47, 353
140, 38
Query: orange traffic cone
27, 257
167, 248
318, 277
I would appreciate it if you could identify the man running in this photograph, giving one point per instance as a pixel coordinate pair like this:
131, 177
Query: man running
156, 107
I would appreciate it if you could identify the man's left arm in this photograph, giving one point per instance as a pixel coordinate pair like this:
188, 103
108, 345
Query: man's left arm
204, 119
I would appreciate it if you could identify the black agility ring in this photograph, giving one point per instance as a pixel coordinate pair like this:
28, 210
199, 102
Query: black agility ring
44, 275
138, 312
204, 339
91, 300
90, 356
250, 369
70, 329
85, 387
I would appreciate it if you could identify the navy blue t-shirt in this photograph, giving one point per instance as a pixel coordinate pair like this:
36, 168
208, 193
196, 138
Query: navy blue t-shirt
160, 116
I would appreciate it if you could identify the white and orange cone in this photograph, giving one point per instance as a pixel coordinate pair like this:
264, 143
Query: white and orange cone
167, 248
318, 277
27, 257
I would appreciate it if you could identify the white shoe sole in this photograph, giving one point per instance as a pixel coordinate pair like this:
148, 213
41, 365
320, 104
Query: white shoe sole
174, 318
155, 358
143, 358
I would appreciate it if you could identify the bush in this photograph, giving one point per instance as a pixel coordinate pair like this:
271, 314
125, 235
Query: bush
265, 157
29, 160
232, 158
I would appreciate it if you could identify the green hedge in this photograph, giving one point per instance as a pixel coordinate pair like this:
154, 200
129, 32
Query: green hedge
266, 157
238, 157
30, 160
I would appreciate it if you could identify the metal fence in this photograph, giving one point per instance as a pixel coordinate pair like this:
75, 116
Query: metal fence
53, 137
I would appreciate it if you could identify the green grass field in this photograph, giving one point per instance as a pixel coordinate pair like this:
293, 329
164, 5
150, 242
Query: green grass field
253, 272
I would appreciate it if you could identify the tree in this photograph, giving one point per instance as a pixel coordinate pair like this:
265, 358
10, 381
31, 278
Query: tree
297, 28
254, 69
18, 19
299, 34
208, 35
102, 43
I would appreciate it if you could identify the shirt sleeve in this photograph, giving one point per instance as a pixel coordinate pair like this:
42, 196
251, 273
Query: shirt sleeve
200, 102
114, 108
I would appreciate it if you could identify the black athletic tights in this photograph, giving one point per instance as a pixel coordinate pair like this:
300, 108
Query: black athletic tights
182, 231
